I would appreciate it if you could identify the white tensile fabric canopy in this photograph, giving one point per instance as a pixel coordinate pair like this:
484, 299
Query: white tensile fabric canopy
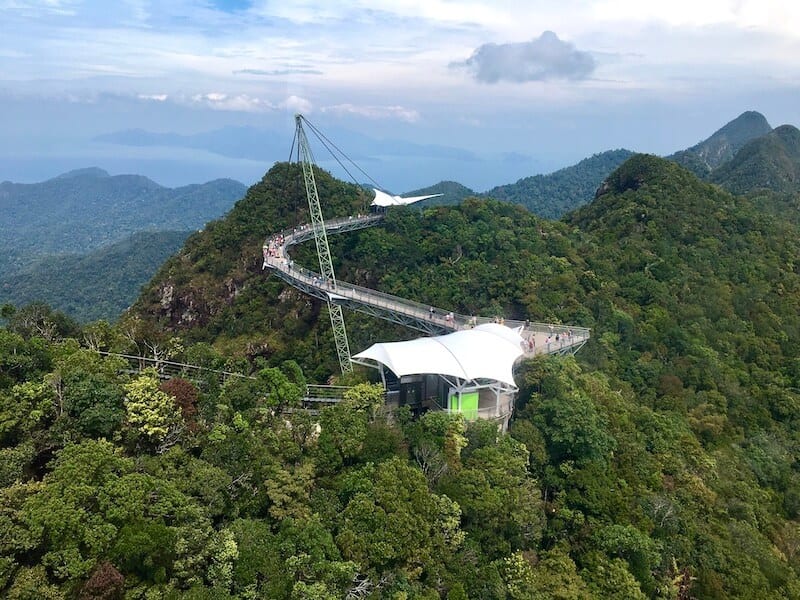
384, 199
488, 351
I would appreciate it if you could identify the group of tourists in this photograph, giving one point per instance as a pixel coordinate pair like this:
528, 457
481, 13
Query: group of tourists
272, 249
559, 337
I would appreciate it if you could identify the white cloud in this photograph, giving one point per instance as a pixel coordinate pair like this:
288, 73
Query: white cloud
374, 59
32, 8
236, 102
540, 59
154, 97
297, 104
780, 16
400, 113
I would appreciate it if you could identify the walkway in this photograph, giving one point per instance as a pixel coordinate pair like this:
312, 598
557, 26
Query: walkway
544, 338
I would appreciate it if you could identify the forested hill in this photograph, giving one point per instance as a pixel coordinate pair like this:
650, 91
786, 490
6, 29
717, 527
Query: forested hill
86, 209
85, 241
452, 193
769, 162
660, 462
723, 144
550, 196
215, 290
98, 285
553, 195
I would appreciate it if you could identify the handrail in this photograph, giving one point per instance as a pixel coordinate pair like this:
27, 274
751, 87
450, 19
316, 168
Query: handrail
547, 337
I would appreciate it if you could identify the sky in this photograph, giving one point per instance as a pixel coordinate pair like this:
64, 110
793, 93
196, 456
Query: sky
412, 91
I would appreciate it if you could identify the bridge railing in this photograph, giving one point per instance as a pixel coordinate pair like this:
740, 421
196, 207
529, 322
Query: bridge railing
325, 392
559, 337
419, 310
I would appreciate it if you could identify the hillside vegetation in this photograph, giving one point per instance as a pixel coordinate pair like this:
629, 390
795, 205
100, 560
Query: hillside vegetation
771, 162
87, 209
554, 195
215, 289
660, 462
550, 196
85, 242
98, 285
452, 193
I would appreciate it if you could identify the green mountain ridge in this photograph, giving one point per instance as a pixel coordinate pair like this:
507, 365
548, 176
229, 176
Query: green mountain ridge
658, 463
214, 288
550, 196
723, 144
86, 210
453, 193
694, 305
98, 285
769, 162
555, 194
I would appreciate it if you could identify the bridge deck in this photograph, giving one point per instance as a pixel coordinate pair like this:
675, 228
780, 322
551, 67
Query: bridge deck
544, 338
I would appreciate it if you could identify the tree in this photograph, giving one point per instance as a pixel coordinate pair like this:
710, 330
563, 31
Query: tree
397, 525
281, 391
152, 413
37, 319
101, 336
63, 515
24, 408
640, 551
501, 503
32, 584
555, 577
105, 583
185, 395
22, 359
343, 430
572, 425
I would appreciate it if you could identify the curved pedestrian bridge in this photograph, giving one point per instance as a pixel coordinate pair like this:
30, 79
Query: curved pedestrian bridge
542, 338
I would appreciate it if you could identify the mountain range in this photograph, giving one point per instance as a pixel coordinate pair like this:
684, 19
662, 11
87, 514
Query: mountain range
669, 439
769, 162
99, 284
549, 196
744, 155
723, 144
658, 462
57, 221
88, 209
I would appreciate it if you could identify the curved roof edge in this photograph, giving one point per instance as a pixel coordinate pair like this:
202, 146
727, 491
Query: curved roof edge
487, 351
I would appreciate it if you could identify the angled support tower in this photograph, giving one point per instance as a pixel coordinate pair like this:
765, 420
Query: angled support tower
323, 250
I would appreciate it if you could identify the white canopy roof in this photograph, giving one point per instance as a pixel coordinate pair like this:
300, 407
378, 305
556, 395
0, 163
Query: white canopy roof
486, 352
384, 199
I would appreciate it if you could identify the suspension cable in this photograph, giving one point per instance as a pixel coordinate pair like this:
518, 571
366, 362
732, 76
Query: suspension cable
328, 144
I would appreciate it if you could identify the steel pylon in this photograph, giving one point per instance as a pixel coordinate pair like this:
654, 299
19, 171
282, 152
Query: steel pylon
323, 250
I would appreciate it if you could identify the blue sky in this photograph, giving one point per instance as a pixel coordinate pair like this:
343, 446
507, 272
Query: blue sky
483, 92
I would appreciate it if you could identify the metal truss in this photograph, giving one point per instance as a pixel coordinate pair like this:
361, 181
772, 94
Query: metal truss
323, 250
